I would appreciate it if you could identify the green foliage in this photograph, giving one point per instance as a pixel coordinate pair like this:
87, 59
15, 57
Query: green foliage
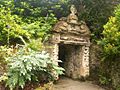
39, 8
111, 33
104, 80
23, 22
117, 13
41, 27
4, 52
118, 88
29, 65
110, 44
95, 13
9, 26
14, 25
34, 13
4, 77
36, 44
38, 21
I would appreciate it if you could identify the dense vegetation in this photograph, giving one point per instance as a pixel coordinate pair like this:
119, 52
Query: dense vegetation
111, 40
23, 59
111, 50
38, 16
26, 24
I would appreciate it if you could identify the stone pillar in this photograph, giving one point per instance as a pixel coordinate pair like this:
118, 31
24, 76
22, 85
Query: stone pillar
54, 53
84, 69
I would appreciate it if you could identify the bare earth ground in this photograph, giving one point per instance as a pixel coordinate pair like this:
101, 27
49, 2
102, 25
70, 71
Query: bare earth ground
69, 84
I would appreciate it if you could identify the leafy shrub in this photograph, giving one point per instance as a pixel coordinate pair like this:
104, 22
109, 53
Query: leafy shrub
40, 27
13, 25
9, 26
111, 51
36, 44
4, 52
104, 80
28, 65
111, 33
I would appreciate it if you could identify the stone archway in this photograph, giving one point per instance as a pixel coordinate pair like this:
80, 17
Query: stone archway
70, 41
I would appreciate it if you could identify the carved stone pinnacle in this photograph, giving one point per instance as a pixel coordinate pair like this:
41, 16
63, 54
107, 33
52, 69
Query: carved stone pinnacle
73, 9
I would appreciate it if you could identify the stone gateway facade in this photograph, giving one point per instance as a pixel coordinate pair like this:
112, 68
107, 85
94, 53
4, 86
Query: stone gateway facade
70, 42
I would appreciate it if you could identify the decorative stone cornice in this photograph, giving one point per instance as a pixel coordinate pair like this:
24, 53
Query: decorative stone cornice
70, 30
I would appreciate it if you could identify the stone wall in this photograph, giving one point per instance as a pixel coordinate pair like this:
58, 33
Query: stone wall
95, 59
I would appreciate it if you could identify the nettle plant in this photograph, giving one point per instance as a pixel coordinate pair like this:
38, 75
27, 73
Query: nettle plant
30, 66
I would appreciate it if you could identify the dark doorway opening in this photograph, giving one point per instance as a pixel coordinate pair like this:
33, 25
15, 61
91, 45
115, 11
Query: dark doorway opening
70, 57
62, 54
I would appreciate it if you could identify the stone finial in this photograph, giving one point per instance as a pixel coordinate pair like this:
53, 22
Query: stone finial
73, 9
72, 25
72, 18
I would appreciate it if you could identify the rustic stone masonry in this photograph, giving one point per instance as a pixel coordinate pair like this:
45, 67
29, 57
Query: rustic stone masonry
85, 61
70, 42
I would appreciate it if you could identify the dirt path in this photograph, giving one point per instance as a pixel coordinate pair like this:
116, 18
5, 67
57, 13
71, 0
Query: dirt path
69, 84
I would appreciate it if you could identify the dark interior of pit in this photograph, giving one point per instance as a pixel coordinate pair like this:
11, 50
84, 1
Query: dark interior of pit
68, 54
